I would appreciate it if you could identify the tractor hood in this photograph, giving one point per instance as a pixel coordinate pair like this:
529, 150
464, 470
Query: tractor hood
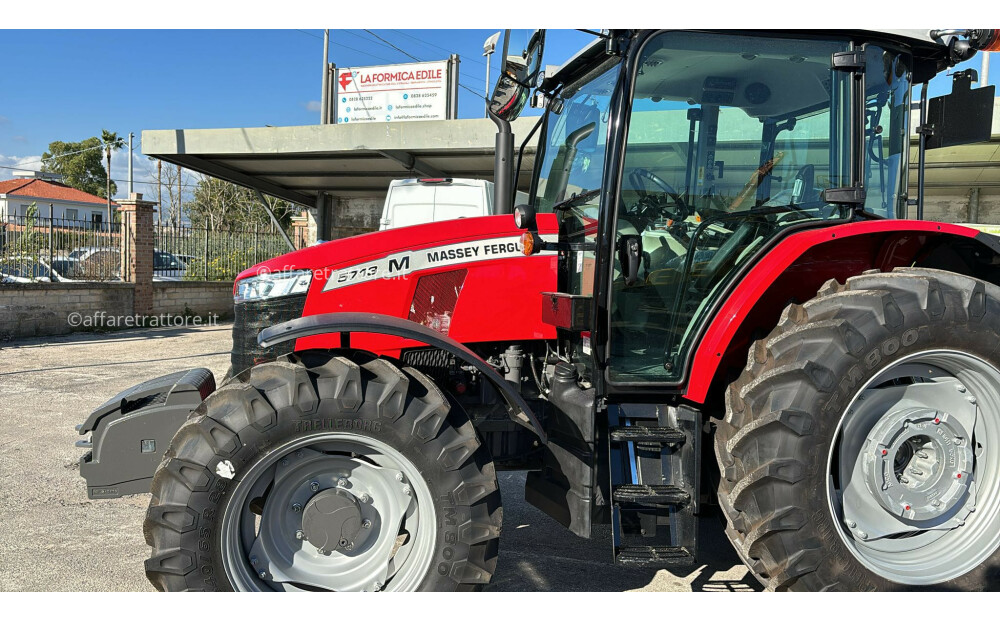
333, 255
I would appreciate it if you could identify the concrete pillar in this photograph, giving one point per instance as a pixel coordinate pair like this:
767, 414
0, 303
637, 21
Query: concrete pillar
137, 250
974, 205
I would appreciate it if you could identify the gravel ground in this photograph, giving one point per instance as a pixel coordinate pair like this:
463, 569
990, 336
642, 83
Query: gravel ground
54, 539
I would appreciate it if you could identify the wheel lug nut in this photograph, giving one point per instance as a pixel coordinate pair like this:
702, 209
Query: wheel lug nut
862, 535
284, 462
314, 486
253, 560
406, 489
296, 507
342, 482
366, 524
960, 388
262, 574
365, 498
399, 477
377, 586
299, 535
971, 399
851, 524
906, 480
922, 455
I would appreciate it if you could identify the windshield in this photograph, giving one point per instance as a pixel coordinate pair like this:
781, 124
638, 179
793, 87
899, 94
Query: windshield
731, 139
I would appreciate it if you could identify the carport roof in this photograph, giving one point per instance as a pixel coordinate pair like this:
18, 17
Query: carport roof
358, 160
295, 163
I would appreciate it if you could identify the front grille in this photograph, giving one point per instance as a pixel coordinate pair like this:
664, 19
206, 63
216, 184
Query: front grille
252, 317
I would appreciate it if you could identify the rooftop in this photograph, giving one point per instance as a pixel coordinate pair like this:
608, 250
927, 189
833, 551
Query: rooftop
48, 190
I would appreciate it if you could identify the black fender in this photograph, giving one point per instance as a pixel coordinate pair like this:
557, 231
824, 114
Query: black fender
131, 431
371, 323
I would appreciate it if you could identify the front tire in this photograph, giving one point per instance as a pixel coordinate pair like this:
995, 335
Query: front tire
325, 472
861, 444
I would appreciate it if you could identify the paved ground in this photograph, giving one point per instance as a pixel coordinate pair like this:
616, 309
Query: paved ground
53, 538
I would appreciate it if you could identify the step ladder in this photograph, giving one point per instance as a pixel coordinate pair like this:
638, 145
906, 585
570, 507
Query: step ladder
655, 454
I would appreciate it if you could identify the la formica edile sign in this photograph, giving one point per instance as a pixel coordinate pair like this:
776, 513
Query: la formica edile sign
407, 92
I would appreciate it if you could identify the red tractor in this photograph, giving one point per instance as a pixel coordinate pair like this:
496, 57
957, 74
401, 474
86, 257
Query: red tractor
714, 251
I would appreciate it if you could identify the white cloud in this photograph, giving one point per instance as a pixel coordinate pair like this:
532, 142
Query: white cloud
28, 162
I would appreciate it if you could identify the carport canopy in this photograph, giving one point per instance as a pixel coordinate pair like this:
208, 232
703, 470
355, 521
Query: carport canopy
344, 160
359, 160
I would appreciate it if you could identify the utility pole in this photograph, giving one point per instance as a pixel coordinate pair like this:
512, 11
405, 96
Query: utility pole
489, 47
984, 75
107, 149
180, 198
159, 191
130, 187
324, 105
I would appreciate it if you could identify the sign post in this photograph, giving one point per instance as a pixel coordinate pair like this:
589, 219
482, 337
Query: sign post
407, 92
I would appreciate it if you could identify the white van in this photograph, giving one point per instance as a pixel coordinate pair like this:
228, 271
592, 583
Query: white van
419, 201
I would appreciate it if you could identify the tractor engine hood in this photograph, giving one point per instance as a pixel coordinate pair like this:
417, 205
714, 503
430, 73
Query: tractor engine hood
467, 279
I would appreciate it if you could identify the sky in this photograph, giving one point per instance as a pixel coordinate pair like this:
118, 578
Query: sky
69, 84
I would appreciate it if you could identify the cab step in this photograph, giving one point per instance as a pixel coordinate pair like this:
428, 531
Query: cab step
650, 494
647, 434
654, 557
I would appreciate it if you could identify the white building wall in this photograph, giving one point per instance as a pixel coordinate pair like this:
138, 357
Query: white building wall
12, 204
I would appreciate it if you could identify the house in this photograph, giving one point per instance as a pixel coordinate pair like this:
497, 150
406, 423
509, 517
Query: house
74, 207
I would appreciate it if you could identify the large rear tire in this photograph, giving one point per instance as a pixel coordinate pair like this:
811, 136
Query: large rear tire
325, 472
861, 444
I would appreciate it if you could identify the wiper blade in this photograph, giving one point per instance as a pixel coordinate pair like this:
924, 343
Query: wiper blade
575, 198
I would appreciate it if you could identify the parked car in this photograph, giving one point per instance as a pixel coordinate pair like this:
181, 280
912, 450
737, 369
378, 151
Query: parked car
167, 267
27, 269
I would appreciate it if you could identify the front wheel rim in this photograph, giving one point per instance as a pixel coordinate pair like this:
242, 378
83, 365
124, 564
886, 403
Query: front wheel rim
914, 469
333, 511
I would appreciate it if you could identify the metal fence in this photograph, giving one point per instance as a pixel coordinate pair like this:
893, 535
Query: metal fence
197, 253
41, 249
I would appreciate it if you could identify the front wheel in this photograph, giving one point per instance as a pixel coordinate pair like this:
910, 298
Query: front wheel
325, 473
861, 445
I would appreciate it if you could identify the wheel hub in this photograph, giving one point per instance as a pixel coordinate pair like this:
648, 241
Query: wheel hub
918, 462
332, 520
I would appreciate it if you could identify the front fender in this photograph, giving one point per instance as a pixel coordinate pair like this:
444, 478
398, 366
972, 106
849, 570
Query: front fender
371, 323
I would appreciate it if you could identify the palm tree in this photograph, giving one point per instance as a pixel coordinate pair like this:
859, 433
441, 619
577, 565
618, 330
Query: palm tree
112, 142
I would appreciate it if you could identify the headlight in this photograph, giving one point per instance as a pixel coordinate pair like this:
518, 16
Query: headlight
271, 285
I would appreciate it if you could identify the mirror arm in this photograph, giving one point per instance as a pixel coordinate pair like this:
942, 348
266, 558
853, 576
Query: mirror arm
503, 202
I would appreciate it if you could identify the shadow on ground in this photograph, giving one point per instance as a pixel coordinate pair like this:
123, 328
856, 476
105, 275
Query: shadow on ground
538, 554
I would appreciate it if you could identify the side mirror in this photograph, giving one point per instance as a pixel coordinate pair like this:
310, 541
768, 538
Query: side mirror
524, 216
962, 117
517, 76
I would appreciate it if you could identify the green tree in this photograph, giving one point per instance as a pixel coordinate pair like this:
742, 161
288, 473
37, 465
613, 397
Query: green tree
80, 164
220, 205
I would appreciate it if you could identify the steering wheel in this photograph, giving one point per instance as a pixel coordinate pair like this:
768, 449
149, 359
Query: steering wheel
650, 207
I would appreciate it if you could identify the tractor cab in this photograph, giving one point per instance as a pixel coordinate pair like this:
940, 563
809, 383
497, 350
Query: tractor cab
673, 158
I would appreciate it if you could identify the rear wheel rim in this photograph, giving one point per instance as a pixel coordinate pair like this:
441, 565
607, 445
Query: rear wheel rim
333, 511
914, 471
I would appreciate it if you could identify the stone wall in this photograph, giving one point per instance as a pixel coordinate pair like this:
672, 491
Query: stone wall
47, 309
193, 298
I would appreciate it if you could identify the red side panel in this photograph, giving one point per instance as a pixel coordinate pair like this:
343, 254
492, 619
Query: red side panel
472, 269
794, 270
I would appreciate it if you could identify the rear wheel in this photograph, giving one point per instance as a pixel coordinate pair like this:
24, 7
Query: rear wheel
322, 472
861, 445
